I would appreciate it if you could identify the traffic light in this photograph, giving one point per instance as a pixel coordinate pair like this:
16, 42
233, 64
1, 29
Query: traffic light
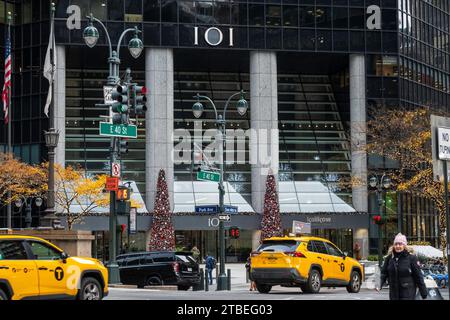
123, 146
234, 232
120, 105
140, 99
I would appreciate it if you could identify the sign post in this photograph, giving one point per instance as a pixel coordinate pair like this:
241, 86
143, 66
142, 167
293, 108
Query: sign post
443, 153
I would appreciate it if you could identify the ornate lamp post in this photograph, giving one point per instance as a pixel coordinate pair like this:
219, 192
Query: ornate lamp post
197, 110
135, 46
379, 185
51, 141
28, 201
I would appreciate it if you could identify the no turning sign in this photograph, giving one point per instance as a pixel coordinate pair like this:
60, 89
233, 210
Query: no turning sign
116, 169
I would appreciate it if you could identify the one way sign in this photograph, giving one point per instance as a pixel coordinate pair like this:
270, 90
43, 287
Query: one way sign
224, 217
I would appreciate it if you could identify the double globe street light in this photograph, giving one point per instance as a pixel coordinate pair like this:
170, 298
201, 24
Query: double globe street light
197, 110
135, 47
384, 183
28, 202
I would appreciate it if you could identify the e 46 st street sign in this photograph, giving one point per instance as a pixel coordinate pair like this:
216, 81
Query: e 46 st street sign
118, 130
208, 175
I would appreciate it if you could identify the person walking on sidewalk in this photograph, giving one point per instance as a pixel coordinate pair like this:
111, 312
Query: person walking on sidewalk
210, 265
402, 270
248, 266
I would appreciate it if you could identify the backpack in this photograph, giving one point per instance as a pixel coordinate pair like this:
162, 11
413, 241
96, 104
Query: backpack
210, 263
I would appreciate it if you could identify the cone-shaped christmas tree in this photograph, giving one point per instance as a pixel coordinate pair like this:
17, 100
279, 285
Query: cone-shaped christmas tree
271, 221
162, 234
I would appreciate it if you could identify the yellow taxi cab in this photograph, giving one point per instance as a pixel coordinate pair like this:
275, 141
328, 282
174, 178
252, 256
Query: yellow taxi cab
305, 262
33, 268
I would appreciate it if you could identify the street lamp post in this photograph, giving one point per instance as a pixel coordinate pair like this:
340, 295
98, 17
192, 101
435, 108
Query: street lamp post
379, 185
197, 110
135, 46
28, 201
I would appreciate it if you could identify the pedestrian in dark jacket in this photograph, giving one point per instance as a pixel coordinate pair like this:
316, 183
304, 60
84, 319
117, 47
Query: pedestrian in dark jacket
402, 270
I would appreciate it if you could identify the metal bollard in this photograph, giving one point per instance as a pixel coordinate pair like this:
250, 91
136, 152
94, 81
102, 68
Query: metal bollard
201, 284
246, 276
206, 281
229, 279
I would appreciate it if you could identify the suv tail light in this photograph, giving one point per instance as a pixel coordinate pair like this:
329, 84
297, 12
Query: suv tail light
176, 267
296, 254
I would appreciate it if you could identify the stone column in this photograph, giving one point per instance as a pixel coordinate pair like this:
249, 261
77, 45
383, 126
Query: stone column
60, 104
358, 132
264, 122
159, 121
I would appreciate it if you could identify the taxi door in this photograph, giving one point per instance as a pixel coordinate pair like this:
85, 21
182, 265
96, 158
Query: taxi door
18, 270
51, 269
337, 262
324, 259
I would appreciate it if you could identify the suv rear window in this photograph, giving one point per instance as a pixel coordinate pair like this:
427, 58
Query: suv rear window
279, 245
186, 258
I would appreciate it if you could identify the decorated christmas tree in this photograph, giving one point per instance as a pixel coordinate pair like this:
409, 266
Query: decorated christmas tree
162, 234
271, 221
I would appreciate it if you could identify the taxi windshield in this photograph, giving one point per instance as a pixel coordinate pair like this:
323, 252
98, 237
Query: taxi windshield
279, 245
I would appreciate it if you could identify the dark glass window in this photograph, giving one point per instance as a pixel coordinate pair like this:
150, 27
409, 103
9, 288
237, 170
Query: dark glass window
290, 16
373, 41
222, 13
357, 3
169, 35
133, 6
115, 10
187, 11
307, 39
340, 40
374, 87
273, 15
340, 17
169, 10
357, 41
332, 250
133, 261
390, 87
256, 14
290, 39
340, 2
60, 8
306, 15
273, 38
390, 42
311, 246
239, 14
323, 17
256, 38
12, 250
324, 40
42, 251
357, 18
389, 19
151, 10
278, 246
320, 247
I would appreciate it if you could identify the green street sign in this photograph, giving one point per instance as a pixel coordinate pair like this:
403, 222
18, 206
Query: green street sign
208, 175
118, 130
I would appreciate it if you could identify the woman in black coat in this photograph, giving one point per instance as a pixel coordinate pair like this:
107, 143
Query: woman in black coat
402, 270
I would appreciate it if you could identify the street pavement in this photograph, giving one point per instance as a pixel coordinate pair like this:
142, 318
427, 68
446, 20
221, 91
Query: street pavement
240, 291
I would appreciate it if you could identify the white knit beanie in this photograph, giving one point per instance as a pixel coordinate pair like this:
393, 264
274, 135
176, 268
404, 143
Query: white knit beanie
400, 238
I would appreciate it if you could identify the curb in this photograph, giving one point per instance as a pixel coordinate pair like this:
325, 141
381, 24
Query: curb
125, 286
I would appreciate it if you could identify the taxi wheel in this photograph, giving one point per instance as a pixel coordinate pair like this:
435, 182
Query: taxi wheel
263, 288
314, 282
355, 283
90, 290
3, 295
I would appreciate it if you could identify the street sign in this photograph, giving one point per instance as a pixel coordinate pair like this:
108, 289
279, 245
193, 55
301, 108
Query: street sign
118, 130
208, 175
230, 209
443, 143
112, 184
116, 169
206, 209
224, 217
107, 91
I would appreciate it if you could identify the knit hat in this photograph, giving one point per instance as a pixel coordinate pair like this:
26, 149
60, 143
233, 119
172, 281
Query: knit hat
400, 238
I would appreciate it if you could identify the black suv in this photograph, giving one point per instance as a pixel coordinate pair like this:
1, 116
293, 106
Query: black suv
159, 268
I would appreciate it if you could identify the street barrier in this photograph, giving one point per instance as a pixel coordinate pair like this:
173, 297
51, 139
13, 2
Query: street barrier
206, 281
228, 279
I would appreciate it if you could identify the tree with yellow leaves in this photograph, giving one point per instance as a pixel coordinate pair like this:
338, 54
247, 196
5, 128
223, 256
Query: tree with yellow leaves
77, 194
405, 136
20, 179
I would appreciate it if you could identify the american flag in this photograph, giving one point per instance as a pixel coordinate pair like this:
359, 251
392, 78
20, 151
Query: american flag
7, 85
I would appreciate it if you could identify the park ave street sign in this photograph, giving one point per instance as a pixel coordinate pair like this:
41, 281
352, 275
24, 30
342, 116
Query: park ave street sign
216, 209
118, 130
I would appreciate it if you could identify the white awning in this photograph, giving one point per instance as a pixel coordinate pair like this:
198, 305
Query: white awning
309, 197
188, 194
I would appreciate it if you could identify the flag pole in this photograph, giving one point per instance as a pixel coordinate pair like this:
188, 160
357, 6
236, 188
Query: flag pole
10, 151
